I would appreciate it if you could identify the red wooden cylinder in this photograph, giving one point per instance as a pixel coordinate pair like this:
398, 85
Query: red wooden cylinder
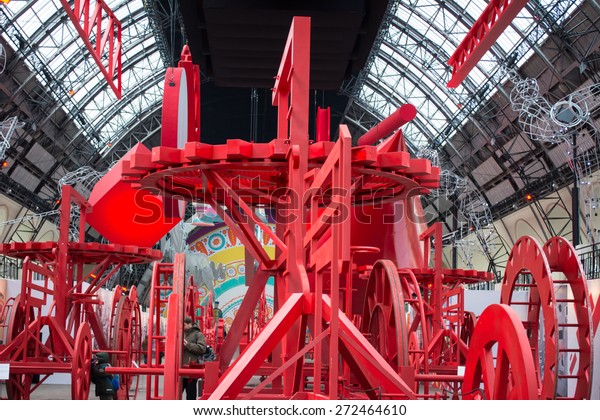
323, 124
396, 120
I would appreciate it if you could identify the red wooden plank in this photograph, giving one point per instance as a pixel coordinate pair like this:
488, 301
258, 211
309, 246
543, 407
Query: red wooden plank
198, 152
493, 21
280, 148
220, 152
419, 167
128, 170
320, 150
142, 160
238, 149
394, 160
262, 150
166, 155
364, 155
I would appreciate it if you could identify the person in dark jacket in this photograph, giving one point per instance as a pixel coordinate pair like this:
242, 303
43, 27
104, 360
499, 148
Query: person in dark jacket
194, 346
102, 380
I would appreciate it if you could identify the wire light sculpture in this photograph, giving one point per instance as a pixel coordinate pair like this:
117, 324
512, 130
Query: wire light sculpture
74, 225
473, 211
451, 185
7, 129
566, 123
430, 154
83, 180
534, 112
2, 58
466, 248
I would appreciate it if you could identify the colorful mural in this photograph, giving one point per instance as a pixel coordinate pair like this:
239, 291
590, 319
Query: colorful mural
228, 270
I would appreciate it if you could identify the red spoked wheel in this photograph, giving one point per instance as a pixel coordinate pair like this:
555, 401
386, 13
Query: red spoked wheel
262, 313
563, 258
258, 323
126, 332
418, 331
207, 321
527, 269
466, 331
17, 319
415, 356
512, 374
468, 326
383, 318
18, 386
5, 309
82, 360
192, 301
113, 321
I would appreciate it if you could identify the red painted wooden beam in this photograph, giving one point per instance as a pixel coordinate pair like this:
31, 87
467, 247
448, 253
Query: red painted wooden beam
493, 21
102, 26
400, 117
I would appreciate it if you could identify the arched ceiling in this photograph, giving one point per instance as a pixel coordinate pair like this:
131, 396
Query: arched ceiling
72, 118
409, 62
41, 32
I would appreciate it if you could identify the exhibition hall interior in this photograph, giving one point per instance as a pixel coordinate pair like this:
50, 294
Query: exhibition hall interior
300, 200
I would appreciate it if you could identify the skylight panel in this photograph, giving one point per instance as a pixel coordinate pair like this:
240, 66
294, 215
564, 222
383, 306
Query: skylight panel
508, 39
29, 22
75, 73
475, 8
46, 9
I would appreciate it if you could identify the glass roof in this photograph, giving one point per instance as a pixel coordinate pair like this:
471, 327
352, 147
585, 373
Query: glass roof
63, 64
410, 64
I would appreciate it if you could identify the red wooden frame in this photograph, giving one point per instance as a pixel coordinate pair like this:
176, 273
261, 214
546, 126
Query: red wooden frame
493, 21
101, 27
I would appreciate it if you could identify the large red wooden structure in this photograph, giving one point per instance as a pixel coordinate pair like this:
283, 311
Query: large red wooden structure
363, 305
50, 324
352, 254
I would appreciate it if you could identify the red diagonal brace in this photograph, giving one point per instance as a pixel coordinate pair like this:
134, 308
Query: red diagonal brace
90, 25
596, 316
493, 21
247, 364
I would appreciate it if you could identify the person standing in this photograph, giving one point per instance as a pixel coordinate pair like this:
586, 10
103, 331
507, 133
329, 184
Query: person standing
102, 380
194, 346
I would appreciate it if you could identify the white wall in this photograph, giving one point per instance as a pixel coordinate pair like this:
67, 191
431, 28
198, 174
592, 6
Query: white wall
10, 210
